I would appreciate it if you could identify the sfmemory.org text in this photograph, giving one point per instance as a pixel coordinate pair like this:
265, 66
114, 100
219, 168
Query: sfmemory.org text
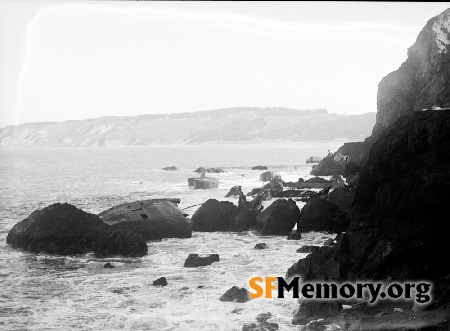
373, 291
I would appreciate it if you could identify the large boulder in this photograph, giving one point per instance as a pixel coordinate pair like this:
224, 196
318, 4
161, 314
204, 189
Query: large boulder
322, 215
153, 219
214, 215
342, 198
329, 166
279, 218
66, 230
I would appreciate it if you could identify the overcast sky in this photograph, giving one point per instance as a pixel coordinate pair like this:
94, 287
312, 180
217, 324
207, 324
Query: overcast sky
62, 60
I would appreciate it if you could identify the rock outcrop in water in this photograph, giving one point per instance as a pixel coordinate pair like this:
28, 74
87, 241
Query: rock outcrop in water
278, 219
154, 219
194, 260
66, 230
214, 215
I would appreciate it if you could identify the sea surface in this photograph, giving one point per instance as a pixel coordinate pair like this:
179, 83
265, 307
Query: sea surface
45, 292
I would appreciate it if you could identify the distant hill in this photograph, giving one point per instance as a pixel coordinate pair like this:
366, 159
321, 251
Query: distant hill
249, 124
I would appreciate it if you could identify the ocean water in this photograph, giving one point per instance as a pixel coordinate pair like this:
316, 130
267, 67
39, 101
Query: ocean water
44, 292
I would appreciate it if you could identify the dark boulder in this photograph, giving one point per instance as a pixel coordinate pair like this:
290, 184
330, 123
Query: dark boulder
342, 198
236, 294
108, 266
194, 260
214, 215
314, 309
171, 168
162, 281
294, 236
260, 168
321, 215
329, 166
66, 230
307, 249
279, 218
261, 246
153, 219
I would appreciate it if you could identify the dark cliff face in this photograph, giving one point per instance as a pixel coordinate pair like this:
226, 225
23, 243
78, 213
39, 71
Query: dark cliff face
422, 81
400, 210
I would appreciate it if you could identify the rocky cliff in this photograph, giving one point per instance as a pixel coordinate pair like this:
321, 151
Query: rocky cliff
422, 81
400, 208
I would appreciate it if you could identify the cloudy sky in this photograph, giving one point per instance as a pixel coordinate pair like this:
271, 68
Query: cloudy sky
62, 60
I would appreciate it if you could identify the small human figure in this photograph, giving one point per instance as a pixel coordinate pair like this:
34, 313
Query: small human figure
329, 152
242, 199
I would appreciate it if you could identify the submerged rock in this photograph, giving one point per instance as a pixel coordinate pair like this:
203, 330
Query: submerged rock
236, 294
162, 281
261, 246
171, 168
194, 260
66, 230
108, 266
279, 218
153, 219
259, 168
